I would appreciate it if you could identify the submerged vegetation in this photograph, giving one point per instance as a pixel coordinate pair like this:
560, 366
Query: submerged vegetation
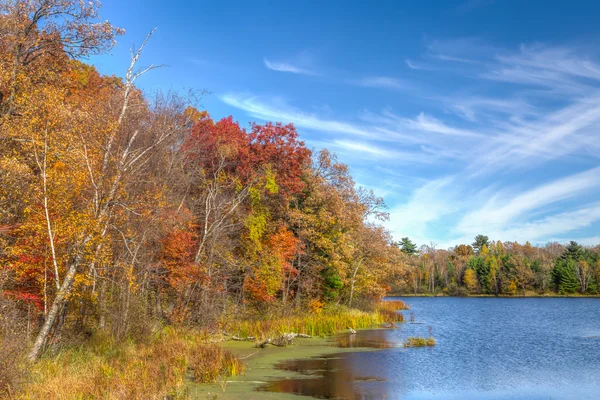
419, 342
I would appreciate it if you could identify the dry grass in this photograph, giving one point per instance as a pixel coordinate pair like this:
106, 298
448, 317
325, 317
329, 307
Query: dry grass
158, 368
107, 370
13, 343
210, 362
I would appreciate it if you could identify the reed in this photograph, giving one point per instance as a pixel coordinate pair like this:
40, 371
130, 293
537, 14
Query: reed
128, 370
325, 323
388, 310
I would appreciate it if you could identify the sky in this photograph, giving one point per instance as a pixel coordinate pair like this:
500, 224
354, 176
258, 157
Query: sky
468, 116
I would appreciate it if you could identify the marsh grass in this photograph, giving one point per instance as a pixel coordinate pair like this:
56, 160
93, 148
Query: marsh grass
158, 366
419, 342
105, 369
325, 323
209, 363
388, 310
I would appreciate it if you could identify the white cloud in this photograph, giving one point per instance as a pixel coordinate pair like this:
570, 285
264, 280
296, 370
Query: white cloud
383, 82
418, 66
431, 124
279, 111
479, 131
286, 67
427, 204
562, 223
501, 212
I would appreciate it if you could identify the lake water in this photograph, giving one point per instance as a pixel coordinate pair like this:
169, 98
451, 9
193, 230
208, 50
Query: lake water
487, 348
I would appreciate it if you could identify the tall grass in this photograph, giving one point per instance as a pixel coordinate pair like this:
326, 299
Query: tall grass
321, 324
388, 310
127, 370
210, 362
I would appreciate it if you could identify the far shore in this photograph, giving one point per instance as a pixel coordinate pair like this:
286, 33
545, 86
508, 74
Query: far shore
516, 296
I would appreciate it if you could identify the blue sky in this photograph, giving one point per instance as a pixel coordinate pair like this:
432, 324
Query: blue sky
468, 117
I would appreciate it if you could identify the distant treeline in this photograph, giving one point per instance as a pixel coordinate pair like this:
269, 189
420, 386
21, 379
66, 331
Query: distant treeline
500, 268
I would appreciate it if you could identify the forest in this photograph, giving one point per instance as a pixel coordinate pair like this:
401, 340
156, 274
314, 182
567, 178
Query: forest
121, 210
133, 220
499, 268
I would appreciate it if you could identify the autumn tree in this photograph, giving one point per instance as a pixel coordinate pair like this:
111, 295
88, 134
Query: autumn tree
34, 31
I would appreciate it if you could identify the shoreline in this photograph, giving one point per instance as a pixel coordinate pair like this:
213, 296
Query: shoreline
260, 368
504, 296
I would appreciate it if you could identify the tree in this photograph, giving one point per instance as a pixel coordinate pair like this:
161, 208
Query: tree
407, 246
105, 176
31, 31
564, 276
573, 251
584, 274
470, 280
482, 270
480, 241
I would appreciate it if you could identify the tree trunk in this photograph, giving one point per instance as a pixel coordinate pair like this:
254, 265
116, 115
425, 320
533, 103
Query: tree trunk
353, 281
57, 304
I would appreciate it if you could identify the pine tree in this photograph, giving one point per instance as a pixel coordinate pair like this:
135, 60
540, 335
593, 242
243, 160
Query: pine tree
564, 276
480, 242
407, 246
573, 251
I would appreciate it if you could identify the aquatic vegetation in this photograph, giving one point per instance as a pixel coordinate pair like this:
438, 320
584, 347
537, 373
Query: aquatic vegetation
419, 342
326, 323
388, 310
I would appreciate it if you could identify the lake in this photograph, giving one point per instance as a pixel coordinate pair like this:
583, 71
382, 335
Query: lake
487, 348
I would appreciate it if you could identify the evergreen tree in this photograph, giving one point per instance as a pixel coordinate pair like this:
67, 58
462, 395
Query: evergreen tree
407, 246
573, 251
480, 241
482, 269
564, 277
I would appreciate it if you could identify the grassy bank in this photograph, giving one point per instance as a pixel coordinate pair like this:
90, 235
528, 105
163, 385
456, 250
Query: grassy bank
104, 369
166, 362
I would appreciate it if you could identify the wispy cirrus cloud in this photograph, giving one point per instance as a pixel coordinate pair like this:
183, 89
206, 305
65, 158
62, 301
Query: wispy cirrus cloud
278, 110
287, 67
484, 154
418, 66
384, 82
551, 113
501, 211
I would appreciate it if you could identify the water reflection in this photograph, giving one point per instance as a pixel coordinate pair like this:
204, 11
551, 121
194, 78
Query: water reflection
375, 339
330, 377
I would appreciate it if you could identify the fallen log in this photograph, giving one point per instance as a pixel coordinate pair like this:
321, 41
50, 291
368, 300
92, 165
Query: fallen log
243, 339
283, 340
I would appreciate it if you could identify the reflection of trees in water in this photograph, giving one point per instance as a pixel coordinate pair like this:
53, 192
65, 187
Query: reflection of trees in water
377, 339
336, 380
